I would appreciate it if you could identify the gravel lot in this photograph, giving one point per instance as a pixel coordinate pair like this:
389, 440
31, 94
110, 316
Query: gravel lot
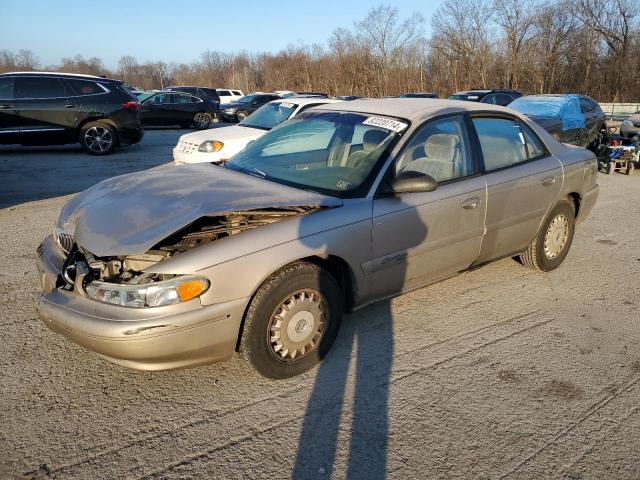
497, 373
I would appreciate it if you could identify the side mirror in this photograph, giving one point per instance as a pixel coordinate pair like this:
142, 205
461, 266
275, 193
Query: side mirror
413, 182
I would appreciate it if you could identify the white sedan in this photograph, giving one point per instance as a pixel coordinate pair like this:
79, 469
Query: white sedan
219, 144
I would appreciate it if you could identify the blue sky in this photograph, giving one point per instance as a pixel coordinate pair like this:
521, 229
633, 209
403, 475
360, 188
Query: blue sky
176, 31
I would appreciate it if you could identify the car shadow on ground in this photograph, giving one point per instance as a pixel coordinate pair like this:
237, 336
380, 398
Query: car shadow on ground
370, 333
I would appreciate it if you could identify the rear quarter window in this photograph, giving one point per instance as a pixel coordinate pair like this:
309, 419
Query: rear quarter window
84, 87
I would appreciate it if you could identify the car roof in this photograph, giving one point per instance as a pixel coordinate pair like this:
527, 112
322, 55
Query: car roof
413, 109
58, 74
306, 100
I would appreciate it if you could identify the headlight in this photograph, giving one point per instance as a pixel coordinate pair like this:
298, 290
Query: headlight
64, 238
210, 146
157, 294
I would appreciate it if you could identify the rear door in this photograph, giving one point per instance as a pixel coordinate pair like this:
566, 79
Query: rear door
523, 183
154, 110
46, 109
10, 121
182, 109
418, 238
592, 122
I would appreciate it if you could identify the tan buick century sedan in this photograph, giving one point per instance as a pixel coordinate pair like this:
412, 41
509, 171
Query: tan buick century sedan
344, 205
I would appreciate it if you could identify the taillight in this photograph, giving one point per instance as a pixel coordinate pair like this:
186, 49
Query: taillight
131, 105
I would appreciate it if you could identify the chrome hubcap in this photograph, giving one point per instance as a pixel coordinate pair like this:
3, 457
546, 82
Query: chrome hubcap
201, 120
297, 325
556, 237
98, 139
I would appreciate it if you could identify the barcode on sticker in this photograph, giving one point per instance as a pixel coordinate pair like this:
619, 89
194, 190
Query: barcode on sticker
393, 125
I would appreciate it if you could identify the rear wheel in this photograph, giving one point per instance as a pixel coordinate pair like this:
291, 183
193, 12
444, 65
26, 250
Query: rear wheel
552, 242
292, 321
202, 120
98, 138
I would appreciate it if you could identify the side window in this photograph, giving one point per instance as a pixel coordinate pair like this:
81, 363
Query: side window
195, 100
223, 93
441, 149
84, 87
6, 88
39, 87
502, 141
489, 99
535, 147
161, 99
503, 99
182, 99
586, 105
237, 93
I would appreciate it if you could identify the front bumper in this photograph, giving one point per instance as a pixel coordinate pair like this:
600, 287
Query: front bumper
182, 158
161, 338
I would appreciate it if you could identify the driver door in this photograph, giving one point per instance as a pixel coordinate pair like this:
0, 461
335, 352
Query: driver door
419, 238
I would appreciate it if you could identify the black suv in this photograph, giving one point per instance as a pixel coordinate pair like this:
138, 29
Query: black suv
495, 97
57, 108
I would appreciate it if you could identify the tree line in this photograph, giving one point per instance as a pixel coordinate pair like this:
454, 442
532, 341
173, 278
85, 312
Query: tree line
535, 46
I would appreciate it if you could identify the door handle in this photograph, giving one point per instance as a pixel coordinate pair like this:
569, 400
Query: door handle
5, 107
471, 203
547, 182
70, 105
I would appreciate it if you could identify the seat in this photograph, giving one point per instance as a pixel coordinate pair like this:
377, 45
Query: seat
370, 140
438, 157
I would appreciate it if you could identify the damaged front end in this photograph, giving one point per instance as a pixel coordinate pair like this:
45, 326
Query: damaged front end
122, 280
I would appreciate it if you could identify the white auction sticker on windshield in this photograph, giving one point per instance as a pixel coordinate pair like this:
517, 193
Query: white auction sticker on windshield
286, 104
393, 125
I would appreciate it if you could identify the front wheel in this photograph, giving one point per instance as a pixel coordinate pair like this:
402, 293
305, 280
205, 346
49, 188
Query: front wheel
98, 138
292, 321
552, 242
202, 120
241, 116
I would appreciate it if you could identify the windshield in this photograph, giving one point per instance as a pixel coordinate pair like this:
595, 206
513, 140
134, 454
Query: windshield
269, 115
335, 153
246, 99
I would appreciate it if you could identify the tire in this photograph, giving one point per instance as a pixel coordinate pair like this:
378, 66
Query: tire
302, 293
611, 167
552, 242
241, 116
98, 138
202, 120
630, 168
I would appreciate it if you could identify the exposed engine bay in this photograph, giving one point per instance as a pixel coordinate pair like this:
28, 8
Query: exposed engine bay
130, 269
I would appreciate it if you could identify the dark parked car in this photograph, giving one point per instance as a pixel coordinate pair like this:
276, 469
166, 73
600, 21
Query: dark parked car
418, 95
245, 106
574, 119
177, 108
495, 97
38, 108
201, 92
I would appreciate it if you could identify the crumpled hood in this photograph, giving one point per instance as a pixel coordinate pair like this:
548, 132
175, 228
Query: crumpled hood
128, 215
224, 134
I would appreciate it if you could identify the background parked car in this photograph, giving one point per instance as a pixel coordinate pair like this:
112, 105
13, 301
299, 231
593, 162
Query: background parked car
245, 106
630, 127
57, 108
418, 95
226, 95
220, 144
177, 108
135, 91
205, 93
494, 97
573, 119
